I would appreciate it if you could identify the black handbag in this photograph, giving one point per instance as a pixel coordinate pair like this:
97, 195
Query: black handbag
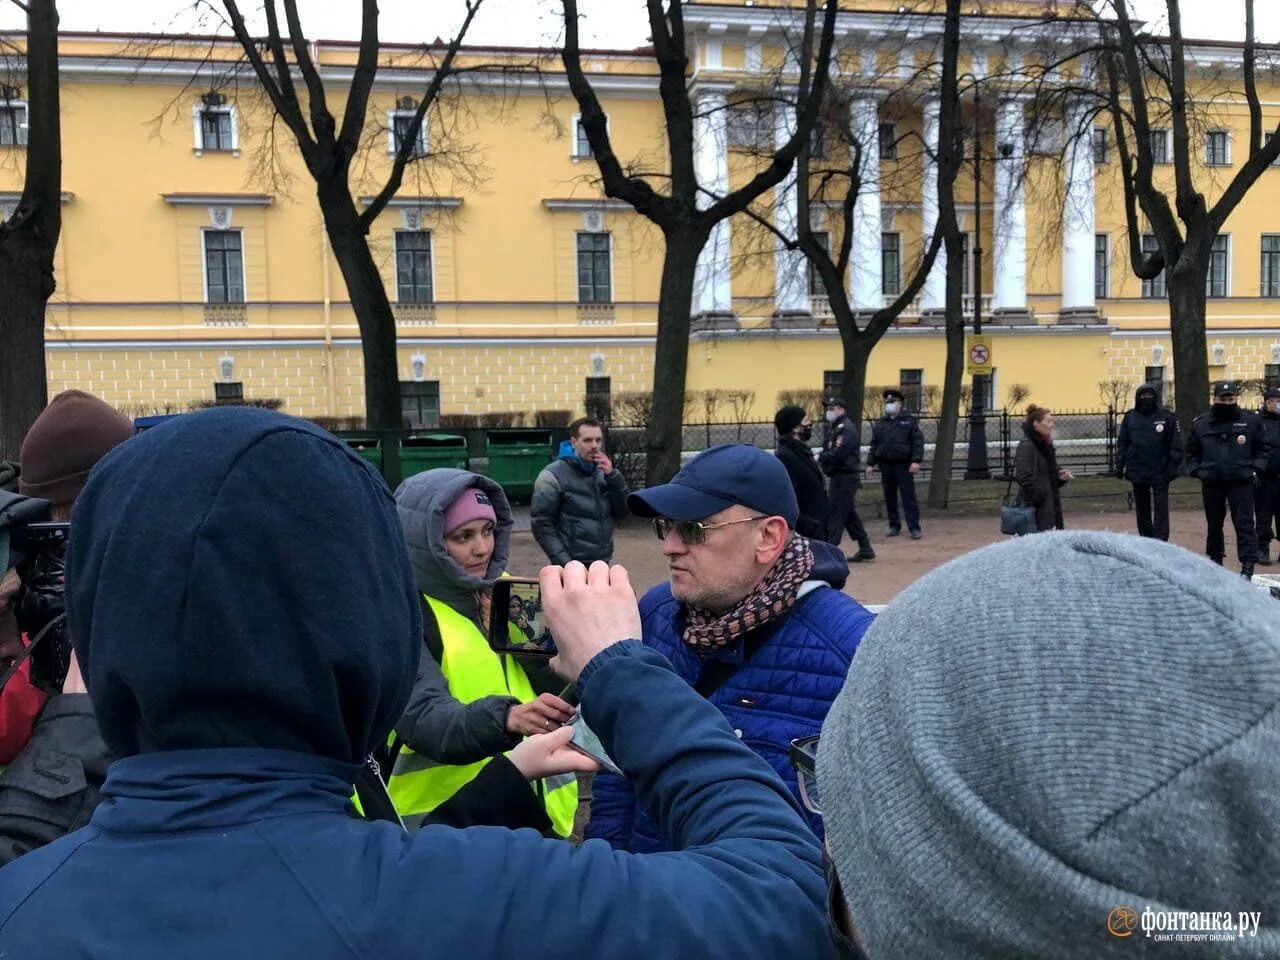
1016, 520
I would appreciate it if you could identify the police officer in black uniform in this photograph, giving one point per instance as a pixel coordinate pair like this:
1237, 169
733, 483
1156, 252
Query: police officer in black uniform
840, 462
1148, 455
1227, 451
897, 448
1266, 497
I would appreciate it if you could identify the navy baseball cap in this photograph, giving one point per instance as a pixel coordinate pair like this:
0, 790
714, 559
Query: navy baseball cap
717, 479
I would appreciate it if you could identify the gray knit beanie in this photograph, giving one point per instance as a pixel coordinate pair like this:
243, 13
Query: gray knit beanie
1041, 741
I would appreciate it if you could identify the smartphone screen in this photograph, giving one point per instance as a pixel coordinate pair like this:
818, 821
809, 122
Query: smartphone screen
518, 623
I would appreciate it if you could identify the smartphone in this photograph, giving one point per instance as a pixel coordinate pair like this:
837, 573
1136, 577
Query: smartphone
516, 622
585, 740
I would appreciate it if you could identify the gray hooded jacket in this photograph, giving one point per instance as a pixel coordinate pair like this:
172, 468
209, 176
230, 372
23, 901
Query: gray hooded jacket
435, 724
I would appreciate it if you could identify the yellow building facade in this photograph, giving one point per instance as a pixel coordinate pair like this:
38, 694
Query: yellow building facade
193, 263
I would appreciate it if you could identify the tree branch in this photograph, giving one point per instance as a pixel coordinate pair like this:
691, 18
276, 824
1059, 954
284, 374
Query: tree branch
406, 149
1147, 268
617, 184
810, 96
362, 80
280, 92
321, 119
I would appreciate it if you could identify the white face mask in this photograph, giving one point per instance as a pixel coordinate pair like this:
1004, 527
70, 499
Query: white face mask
832, 416
891, 408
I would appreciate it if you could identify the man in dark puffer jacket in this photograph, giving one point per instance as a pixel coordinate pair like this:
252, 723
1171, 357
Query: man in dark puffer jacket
1148, 455
578, 499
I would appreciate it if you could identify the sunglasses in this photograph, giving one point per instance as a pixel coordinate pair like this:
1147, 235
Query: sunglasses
804, 757
693, 532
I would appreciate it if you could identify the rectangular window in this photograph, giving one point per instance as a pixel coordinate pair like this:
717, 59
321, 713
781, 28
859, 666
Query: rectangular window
400, 124
1271, 265
966, 265
816, 289
228, 392
891, 263
1160, 146
1101, 265
911, 383
1267, 139
888, 142
1217, 148
600, 398
1101, 144
13, 125
581, 145
1271, 374
594, 282
749, 126
832, 383
1219, 267
818, 140
223, 267
216, 130
1155, 375
1152, 289
413, 266
420, 403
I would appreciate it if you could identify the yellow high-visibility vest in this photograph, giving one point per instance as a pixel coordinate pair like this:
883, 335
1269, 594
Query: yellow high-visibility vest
473, 670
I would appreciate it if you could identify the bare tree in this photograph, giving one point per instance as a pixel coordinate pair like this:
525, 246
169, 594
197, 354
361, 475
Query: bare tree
686, 221
328, 149
29, 237
1146, 83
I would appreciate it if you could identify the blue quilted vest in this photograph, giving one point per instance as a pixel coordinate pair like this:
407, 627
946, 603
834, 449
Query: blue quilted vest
782, 694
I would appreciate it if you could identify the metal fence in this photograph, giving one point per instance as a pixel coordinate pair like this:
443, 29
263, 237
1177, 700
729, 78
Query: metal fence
1085, 441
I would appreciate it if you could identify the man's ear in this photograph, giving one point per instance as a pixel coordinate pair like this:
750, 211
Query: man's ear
774, 534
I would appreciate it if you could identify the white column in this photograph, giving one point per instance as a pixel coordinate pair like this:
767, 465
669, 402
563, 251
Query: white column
1010, 209
1078, 231
934, 296
711, 288
866, 285
791, 286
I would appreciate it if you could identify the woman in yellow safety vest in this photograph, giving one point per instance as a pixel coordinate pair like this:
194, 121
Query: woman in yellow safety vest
469, 704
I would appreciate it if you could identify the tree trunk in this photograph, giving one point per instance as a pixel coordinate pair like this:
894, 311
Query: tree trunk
29, 239
1190, 349
26, 281
671, 355
857, 354
949, 416
370, 303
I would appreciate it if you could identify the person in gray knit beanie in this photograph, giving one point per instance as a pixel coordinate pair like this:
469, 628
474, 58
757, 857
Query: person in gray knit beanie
1060, 747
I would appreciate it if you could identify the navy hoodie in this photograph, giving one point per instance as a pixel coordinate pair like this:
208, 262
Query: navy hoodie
246, 618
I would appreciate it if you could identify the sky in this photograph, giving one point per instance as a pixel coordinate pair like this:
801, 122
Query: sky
606, 23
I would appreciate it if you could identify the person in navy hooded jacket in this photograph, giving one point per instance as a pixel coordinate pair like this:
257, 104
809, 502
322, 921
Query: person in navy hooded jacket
245, 615
752, 618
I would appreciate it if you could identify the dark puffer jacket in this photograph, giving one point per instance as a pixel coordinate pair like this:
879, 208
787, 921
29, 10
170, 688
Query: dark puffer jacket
574, 509
1150, 445
896, 439
1271, 426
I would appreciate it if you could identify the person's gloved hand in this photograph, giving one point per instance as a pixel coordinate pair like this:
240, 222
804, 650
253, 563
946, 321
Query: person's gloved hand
550, 755
538, 716
587, 611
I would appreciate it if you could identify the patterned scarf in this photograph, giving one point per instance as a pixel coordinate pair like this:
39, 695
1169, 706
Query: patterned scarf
771, 600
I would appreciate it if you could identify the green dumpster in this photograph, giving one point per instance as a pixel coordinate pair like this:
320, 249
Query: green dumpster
516, 457
368, 449
430, 451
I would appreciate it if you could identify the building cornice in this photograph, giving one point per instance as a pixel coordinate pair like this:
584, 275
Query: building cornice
576, 203
217, 199
8, 198
425, 203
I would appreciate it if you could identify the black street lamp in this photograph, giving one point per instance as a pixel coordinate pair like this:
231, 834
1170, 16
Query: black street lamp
976, 465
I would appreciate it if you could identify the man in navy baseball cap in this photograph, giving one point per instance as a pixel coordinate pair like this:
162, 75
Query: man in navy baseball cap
752, 613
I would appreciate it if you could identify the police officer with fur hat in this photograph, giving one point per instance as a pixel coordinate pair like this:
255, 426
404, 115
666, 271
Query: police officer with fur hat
1266, 496
1227, 451
897, 448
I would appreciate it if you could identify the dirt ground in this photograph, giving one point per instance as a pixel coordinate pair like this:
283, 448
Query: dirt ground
899, 561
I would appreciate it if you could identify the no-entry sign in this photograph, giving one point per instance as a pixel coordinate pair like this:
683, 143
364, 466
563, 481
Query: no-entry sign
977, 351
